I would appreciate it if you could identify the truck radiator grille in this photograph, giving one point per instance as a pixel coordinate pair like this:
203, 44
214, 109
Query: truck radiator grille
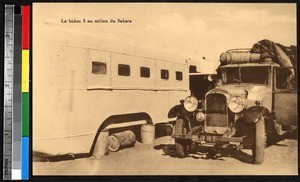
216, 110
216, 120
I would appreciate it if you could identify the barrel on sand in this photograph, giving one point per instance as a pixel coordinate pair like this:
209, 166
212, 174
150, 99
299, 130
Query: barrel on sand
148, 134
121, 140
124, 139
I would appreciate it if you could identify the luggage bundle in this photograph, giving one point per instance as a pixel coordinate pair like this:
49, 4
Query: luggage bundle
262, 51
239, 56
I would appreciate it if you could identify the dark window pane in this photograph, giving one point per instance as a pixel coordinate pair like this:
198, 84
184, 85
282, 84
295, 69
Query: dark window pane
98, 68
231, 75
258, 75
178, 75
282, 78
145, 72
123, 69
164, 74
193, 69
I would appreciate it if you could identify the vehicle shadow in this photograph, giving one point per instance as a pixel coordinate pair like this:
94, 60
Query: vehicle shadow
210, 153
206, 153
43, 157
291, 135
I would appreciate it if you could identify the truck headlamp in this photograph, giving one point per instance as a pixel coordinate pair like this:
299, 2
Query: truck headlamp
200, 116
210, 78
190, 103
236, 104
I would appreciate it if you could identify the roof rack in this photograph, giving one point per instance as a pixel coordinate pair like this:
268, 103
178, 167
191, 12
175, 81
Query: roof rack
239, 50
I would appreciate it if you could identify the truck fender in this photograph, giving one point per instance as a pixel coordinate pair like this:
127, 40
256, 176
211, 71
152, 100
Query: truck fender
254, 113
175, 111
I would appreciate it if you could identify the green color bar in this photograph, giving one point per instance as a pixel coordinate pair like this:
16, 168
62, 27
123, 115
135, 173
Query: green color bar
25, 114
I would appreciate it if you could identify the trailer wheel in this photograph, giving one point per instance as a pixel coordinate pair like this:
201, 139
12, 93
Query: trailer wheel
181, 144
258, 150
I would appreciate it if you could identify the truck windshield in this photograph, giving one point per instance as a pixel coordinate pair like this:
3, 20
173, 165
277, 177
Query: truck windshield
257, 75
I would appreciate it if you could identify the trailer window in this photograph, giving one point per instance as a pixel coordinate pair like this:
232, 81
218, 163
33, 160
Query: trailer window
145, 72
98, 68
193, 69
164, 74
179, 75
123, 70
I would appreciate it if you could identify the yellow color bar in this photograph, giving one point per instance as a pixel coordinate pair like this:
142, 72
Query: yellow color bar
25, 70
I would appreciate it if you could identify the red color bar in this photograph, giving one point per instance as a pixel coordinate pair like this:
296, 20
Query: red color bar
25, 27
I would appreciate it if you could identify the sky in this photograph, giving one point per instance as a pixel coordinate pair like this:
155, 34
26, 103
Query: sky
200, 29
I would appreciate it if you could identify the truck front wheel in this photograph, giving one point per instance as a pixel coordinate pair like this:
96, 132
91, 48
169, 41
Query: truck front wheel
258, 150
181, 148
181, 144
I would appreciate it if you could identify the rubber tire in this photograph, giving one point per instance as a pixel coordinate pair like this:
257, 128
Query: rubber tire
181, 144
181, 148
272, 137
258, 151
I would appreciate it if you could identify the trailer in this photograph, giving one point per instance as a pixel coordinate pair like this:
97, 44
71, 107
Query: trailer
85, 82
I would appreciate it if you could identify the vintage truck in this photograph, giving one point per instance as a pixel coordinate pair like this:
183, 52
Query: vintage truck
252, 104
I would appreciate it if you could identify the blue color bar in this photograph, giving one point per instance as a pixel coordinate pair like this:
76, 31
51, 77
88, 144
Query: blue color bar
25, 158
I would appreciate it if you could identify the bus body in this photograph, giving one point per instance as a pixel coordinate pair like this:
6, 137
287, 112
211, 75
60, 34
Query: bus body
85, 82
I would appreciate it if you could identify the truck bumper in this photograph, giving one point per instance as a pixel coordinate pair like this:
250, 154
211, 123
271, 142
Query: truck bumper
208, 138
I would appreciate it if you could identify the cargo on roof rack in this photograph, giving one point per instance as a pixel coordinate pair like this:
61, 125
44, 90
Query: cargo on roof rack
240, 56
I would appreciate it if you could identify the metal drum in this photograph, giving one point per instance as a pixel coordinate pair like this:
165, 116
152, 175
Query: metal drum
148, 134
121, 140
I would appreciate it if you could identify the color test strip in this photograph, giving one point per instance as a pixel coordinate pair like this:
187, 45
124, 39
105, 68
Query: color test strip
17, 96
25, 92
